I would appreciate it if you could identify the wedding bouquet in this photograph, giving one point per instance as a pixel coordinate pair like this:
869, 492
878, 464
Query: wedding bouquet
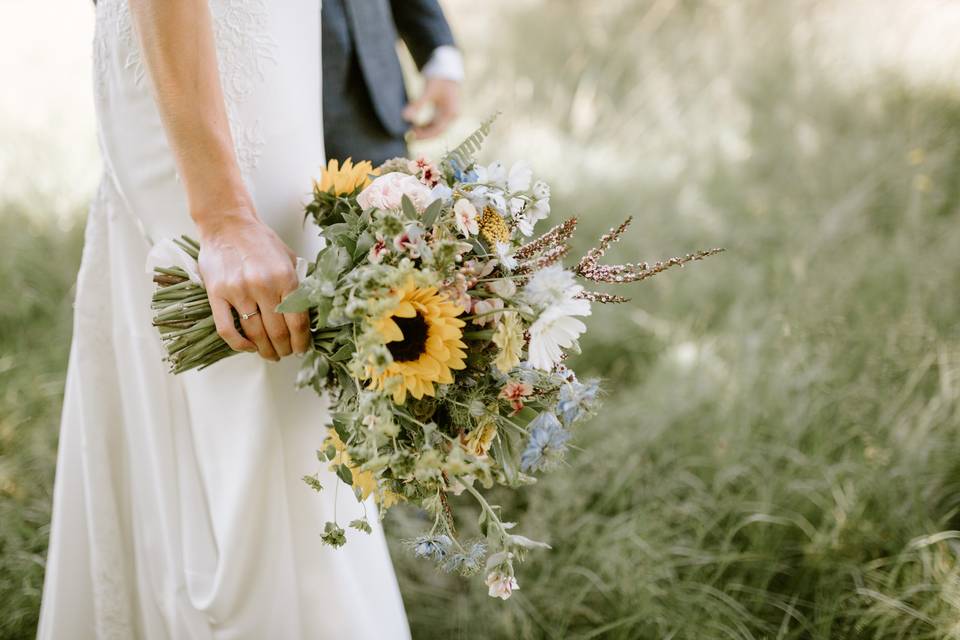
440, 324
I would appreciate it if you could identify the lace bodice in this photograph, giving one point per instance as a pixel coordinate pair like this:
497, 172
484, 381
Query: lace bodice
245, 49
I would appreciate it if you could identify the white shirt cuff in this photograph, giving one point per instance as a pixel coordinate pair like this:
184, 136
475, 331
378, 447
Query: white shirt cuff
446, 63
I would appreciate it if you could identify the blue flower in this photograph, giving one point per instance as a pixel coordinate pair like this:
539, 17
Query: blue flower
547, 444
435, 547
577, 399
466, 563
462, 176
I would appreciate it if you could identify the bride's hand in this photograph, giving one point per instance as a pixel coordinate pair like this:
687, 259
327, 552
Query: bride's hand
246, 266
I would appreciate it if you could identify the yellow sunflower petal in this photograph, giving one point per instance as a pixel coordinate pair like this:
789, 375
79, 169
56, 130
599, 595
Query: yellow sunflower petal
404, 310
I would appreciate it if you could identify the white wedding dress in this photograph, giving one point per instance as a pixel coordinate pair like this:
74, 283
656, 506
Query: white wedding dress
179, 509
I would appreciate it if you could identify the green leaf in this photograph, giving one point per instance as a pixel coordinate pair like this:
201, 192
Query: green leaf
333, 232
321, 313
333, 535
431, 213
462, 155
343, 472
342, 427
361, 524
331, 262
364, 242
297, 301
409, 209
321, 366
314, 483
343, 353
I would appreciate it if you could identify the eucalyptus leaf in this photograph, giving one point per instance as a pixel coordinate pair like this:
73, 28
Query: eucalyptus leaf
409, 210
431, 213
321, 312
297, 301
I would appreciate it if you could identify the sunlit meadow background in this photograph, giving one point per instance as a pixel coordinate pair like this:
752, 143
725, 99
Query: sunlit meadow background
778, 457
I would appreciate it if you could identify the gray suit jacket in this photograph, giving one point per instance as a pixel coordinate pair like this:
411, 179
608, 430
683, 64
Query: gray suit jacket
363, 92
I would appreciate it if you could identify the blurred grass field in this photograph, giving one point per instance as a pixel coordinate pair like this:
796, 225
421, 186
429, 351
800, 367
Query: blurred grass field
778, 456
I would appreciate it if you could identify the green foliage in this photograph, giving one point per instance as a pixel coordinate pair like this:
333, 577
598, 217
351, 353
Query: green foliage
34, 341
463, 154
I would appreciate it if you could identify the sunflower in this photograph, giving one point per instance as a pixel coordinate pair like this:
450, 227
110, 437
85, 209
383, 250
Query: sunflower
422, 333
346, 179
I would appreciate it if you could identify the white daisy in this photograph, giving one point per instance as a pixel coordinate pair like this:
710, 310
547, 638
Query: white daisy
551, 286
556, 329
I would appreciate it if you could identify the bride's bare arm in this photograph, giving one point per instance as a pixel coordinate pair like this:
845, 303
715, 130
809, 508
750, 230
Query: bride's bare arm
244, 264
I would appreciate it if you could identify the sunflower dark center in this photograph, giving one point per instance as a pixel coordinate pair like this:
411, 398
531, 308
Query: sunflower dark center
414, 339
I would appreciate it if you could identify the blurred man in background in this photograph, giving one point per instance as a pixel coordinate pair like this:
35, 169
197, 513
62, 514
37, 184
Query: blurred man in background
365, 109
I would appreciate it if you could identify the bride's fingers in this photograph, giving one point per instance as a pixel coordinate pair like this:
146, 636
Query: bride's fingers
299, 326
276, 327
223, 319
253, 329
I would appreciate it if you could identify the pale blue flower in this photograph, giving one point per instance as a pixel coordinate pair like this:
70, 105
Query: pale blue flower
547, 443
435, 547
576, 400
462, 176
466, 563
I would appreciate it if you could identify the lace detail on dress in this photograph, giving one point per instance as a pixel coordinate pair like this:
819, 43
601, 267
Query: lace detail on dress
114, 37
109, 570
244, 49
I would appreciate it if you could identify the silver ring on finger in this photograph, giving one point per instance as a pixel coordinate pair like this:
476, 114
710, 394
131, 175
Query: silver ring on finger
247, 316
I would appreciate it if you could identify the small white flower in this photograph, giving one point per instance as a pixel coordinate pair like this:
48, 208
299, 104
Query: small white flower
523, 224
465, 215
516, 206
409, 242
496, 200
505, 255
494, 173
538, 211
501, 585
542, 208
551, 286
378, 250
519, 178
554, 330
541, 190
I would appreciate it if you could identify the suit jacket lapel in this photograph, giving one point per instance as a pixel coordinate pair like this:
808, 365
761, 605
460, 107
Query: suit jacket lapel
375, 40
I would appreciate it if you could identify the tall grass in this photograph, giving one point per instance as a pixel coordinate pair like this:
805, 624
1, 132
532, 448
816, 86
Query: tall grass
38, 261
778, 457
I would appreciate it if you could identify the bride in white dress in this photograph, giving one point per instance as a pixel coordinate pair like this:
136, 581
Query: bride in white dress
179, 509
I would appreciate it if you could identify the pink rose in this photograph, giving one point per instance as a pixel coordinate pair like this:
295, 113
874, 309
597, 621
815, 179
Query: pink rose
387, 191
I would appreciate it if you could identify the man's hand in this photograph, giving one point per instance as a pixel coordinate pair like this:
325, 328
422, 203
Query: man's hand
444, 97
